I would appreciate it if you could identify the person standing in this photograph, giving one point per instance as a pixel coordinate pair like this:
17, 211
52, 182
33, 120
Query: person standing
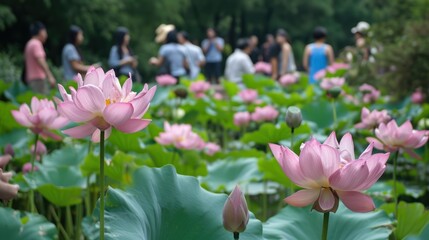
282, 58
194, 54
37, 72
72, 60
212, 47
269, 42
239, 62
255, 54
121, 57
318, 55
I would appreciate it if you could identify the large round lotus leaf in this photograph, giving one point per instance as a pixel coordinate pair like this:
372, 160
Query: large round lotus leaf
301, 223
162, 205
15, 225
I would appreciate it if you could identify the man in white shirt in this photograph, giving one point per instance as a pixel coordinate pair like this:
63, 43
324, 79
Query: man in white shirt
239, 63
194, 55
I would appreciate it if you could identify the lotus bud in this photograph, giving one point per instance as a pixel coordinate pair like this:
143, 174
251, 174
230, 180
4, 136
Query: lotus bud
334, 92
8, 149
235, 212
181, 93
27, 168
293, 117
40, 150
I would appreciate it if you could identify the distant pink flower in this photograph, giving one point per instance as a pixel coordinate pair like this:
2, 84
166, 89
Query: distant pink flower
329, 83
8, 149
27, 168
371, 120
235, 212
181, 136
370, 93
337, 66
320, 74
42, 118
288, 79
418, 96
166, 80
218, 96
4, 160
241, 118
263, 67
40, 150
211, 148
329, 172
248, 95
199, 88
391, 138
350, 98
100, 104
267, 113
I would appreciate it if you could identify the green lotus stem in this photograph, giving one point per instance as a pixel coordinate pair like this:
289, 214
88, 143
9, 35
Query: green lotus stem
334, 111
33, 158
395, 193
101, 185
78, 221
236, 235
88, 197
292, 130
265, 200
325, 226
69, 221
57, 220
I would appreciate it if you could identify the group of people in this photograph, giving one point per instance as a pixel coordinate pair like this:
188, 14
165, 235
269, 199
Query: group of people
178, 56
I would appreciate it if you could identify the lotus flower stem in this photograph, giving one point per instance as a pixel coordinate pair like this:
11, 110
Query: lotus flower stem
325, 226
292, 131
69, 221
78, 221
57, 220
334, 111
33, 157
101, 185
265, 200
395, 193
236, 235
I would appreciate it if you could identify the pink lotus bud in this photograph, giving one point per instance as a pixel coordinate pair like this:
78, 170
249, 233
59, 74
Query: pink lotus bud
199, 88
418, 96
267, 113
211, 148
263, 67
166, 80
235, 212
248, 95
40, 150
27, 168
241, 118
8, 149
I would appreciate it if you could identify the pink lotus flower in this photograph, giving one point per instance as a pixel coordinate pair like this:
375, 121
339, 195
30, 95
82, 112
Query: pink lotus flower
100, 104
320, 74
218, 96
40, 150
241, 119
288, 79
8, 150
370, 94
235, 212
199, 88
329, 172
337, 66
418, 97
391, 138
181, 136
329, 83
26, 168
166, 80
263, 67
371, 120
7, 191
267, 113
248, 95
211, 148
4, 160
42, 118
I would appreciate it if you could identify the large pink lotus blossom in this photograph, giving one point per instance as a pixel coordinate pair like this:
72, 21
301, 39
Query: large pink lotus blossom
100, 104
337, 66
165, 80
7, 190
41, 118
418, 96
211, 148
262, 67
391, 138
241, 119
288, 79
235, 212
371, 120
329, 172
370, 93
181, 136
248, 95
330, 83
199, 88
267, 113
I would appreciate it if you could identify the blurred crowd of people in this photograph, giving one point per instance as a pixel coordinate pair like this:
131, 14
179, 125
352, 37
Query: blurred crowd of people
179, 57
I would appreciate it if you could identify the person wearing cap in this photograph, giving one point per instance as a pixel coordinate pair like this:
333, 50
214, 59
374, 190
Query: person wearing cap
212, 47
194, 54
281, 55
239, 62
359, 33
121, 57
317, 55
72, 60
37, 72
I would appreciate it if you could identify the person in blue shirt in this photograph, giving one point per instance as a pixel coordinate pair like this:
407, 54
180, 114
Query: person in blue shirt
72, 60
212, 47
318, 55
121, 57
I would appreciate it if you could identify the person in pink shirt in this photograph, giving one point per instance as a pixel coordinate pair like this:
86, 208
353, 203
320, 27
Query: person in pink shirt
37, 73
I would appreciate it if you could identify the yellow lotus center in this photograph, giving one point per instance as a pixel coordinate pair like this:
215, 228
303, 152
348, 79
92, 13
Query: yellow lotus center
108, 102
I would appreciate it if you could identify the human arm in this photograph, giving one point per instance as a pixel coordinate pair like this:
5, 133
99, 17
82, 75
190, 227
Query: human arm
330, 53
274, 68
285, 59
201, 58
248, 66
205, 45
305, 58
115, 61
42, 62
219, 44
